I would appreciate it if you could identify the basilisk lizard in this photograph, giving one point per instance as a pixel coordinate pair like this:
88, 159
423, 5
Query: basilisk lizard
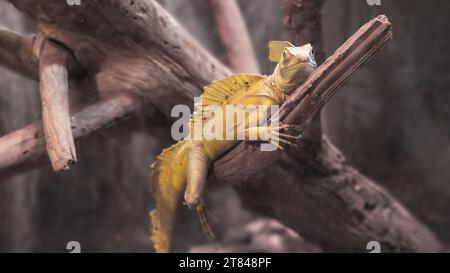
184, 166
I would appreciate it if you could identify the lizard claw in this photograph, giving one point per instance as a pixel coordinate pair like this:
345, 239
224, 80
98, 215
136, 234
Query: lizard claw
277, 137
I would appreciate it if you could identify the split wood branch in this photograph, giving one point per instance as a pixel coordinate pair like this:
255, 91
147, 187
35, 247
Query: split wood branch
54, 90
234, 36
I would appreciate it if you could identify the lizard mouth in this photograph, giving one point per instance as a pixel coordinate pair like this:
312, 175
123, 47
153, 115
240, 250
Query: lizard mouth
312, 63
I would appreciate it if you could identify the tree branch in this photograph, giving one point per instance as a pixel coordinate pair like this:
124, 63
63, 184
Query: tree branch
161, 64
25, 148
129, 47
54, 89
234, 36
16, 53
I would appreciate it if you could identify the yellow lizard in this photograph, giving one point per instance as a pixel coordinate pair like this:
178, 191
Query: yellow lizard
184, 166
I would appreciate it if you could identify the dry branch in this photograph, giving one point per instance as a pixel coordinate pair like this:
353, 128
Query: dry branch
137, 48
54, 89
148, 62
234, 36
129, 46
25, 148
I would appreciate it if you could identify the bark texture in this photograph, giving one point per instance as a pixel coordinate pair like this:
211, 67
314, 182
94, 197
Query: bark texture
54, 90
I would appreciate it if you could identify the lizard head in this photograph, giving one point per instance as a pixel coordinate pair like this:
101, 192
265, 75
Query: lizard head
294, 66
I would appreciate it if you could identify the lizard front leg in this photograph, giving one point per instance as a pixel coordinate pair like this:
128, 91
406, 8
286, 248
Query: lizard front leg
197, 173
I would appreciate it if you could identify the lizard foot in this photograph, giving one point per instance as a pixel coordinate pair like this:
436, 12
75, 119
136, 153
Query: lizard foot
278, 139
201, 212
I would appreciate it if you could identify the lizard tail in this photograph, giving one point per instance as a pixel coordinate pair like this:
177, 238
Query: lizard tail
168, 183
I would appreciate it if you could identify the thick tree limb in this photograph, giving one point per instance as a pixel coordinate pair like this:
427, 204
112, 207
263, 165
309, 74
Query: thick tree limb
16, 53
139, 49
54, 89
234, 36
148, 62
26, 147
334, 206
134, 47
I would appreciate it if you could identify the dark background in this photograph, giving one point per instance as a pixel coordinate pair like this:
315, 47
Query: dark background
391, 121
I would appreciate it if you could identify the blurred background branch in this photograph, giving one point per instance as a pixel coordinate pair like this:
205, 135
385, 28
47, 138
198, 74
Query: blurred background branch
234, 36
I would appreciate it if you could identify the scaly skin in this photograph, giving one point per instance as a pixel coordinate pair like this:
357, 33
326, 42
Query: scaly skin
184, 166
